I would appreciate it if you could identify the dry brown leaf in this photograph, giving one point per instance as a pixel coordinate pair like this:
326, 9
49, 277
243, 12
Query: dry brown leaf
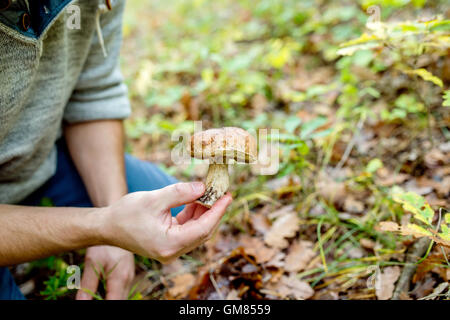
326, 295
443, 187
367, 243
285, 226
300, 254
388, 226
259, 103
277, 261
330, 189
290, 287
404, 296
260, 222
181, 284
423, 287
384, 287
175, 266
353, 206
408, 230
387, 178
256, 248
279, 183
282, 211
434, 158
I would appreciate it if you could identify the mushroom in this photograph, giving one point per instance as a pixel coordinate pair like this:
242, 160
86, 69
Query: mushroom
219, 146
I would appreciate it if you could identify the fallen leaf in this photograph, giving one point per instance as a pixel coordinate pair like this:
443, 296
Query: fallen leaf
404, 296
437, 291
300, 254
282, 211
355, 252
277, 261
290, 287
434, 158
423, 287
255, 247
367, 243
411, 230
412, 186
259, 103
388, 226
175, 266
387, 178
181, 284
260, 222
285, 226
326, 295
353, 206
384, 286
329, 188
443, 187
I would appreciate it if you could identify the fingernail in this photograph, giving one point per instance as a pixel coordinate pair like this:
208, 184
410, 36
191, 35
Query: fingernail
198, 187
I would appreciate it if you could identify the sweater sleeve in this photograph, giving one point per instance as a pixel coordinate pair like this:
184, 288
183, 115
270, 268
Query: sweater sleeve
100, 92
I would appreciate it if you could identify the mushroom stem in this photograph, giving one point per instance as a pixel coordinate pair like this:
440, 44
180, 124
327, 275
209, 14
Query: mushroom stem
217, 183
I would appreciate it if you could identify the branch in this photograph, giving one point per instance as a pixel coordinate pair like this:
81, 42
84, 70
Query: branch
417, 250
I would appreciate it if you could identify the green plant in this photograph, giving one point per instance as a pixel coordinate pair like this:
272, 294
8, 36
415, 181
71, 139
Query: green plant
423, 216
56, 285
398, 47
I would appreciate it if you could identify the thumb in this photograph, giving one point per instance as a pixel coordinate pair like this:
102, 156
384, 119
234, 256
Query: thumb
178, 194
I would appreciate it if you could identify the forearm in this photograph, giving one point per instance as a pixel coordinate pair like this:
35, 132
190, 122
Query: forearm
96, 148
28, 233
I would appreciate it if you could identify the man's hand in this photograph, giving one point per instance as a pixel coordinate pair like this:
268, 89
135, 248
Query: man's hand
141, 222
118, 266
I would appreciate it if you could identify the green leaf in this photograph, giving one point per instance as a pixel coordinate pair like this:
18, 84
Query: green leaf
415, 204
443, 25
426, 75
286, 138
292, 123
374, 165
418, 230
363, 57
364, 38
310, 126
447, 218
446, 98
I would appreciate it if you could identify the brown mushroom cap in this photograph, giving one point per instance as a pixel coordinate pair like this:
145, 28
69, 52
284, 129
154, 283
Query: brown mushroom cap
219, 145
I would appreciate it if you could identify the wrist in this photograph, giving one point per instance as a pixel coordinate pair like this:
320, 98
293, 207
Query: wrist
97, 225
107, 199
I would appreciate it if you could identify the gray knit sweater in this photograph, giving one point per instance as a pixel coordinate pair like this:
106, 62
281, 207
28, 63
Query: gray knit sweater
62, 76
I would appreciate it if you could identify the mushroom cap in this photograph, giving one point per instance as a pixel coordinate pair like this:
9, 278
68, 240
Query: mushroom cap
219, 145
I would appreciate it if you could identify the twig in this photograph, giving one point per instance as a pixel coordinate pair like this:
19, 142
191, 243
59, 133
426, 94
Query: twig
351, 144
421, 247
322, 254
214, 283
417, 250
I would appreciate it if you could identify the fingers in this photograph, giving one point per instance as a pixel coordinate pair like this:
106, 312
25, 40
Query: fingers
186, 214
117, 288
192, 211
180, 193
199, 211
89, 282
202, 228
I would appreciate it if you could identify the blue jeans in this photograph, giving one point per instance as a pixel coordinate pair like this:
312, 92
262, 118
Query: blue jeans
66, 189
